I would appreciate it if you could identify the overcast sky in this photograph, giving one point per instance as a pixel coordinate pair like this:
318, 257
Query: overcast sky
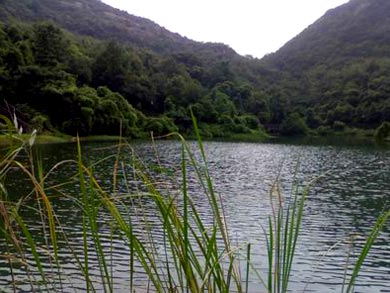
251, 27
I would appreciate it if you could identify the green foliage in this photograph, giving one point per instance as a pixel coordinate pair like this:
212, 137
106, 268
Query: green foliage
54, 65
159, 126
205, 110
36, 120
110, 67
79, 85
327, 74
324, 130
338, 68
343, 112
383, 131
49, 45
257, 103
223, 104
339, 126
251, 121
294, 124
79, 64
376, 230
102, 112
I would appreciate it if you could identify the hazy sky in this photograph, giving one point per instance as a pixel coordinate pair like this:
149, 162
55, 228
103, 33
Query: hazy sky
254, 27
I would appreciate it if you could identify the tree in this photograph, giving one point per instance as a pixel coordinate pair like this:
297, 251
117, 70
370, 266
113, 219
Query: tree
49, 45
383, 131
223, 105
111, 67
294, 124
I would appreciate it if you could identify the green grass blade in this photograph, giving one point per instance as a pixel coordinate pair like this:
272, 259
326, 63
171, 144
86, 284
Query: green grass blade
366, 248
248, 259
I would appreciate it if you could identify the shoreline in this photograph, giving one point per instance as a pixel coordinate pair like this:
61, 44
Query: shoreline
53, 138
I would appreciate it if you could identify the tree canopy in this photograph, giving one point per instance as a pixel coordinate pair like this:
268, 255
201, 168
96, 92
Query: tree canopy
89, 68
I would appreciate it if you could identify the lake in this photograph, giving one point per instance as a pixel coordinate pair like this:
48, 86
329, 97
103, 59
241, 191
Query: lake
352, 190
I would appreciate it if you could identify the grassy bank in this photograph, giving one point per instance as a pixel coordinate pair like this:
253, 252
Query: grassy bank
193, 254
10, 139
44, 139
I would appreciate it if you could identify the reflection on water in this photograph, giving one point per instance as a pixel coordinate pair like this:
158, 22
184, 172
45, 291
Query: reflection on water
343, 204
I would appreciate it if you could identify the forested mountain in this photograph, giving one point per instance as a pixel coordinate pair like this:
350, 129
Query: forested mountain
96, 19
356, 30
109, 66
339, 67
82, 66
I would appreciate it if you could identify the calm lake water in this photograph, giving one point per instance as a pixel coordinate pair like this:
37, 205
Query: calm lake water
354, 189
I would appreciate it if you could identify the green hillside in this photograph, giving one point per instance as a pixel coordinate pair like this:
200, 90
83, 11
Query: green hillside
96, 19
91, 67
338, 68
83, 66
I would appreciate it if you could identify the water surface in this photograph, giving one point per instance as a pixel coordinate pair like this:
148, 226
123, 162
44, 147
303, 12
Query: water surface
352, 189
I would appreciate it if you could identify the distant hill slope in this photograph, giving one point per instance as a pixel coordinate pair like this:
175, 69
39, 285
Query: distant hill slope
338, 69
334, 76
358, 29
141, 75
96, 19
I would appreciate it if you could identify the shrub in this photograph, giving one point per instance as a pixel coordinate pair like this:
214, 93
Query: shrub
294, 124
159, 125
339, 126
250, 121
41, 122
383, 131
323, 130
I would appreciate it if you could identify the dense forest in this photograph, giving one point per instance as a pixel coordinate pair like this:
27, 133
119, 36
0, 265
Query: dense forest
339, 67
80, 66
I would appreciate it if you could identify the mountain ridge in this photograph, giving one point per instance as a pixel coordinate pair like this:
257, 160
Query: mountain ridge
337, 70
350, 23
97, 19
